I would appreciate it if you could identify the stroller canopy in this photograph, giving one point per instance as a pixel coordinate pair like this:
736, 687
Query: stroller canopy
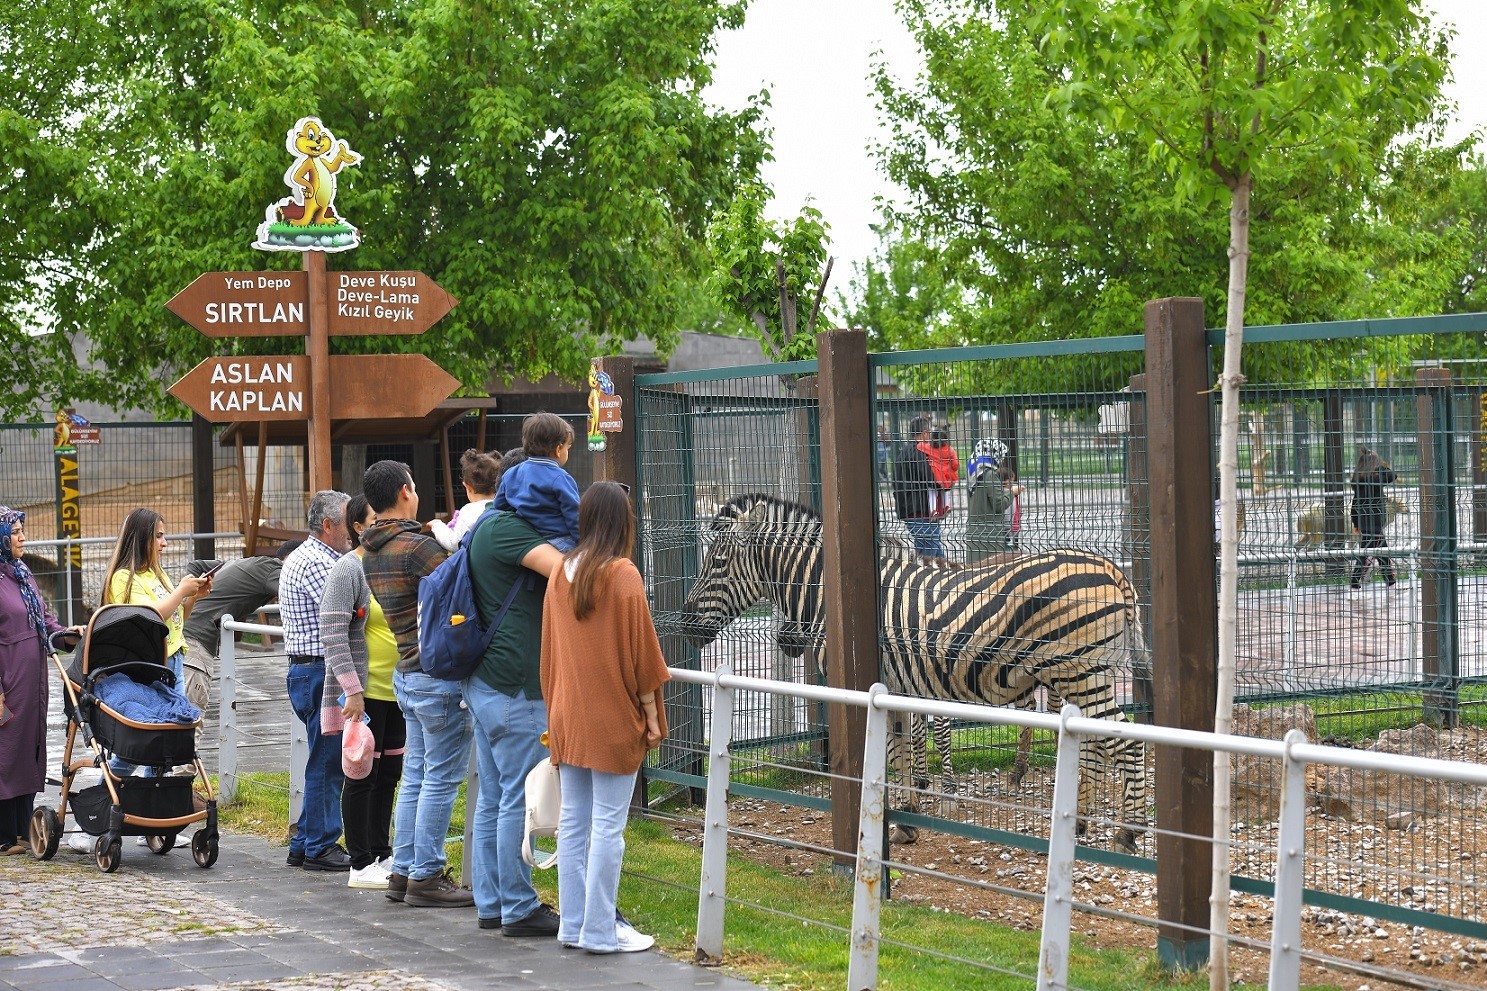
119, 633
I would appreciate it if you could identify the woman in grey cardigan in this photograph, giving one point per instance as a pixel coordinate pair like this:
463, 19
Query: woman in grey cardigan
360, 654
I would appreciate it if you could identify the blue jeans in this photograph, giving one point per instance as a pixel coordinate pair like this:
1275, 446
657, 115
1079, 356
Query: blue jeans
591, 847
434, 763
319, 824
508, 744
926, 534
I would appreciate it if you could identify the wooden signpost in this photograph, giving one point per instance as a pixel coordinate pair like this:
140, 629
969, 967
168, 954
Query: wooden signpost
314, 304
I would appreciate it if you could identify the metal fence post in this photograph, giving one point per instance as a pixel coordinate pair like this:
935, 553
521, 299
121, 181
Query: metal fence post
1058, 895
472, 805
867, 892
1290, 870
299, 756
712, 887
227, 718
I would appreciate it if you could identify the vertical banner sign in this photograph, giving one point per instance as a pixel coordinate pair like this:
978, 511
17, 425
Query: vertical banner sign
70, 527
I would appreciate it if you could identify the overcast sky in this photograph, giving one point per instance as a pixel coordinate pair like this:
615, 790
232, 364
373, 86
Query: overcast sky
814, 57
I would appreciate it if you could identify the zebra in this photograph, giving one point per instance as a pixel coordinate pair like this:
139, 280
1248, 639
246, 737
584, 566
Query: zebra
990, 635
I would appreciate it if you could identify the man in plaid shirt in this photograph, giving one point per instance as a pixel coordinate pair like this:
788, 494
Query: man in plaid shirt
301, 586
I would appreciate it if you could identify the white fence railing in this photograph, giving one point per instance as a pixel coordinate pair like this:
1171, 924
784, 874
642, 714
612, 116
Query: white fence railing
1286, 952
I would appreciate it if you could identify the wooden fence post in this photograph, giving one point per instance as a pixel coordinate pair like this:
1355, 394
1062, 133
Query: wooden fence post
849, 564
1184, 617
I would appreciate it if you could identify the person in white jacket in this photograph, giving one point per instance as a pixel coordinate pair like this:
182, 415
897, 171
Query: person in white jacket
480, 473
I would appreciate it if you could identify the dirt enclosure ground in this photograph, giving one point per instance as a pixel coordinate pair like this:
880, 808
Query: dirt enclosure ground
1424, 862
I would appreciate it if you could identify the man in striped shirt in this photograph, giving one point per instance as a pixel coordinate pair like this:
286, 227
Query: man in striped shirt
301, 586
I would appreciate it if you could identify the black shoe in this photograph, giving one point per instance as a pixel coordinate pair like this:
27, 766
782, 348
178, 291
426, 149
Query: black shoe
490, 923
542, 921
296, 858
334, 859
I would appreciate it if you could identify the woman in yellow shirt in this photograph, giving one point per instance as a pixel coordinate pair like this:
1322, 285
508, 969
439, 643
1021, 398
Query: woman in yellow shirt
135, 577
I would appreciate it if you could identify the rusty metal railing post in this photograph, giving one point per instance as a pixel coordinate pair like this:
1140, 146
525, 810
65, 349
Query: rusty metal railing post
867, 891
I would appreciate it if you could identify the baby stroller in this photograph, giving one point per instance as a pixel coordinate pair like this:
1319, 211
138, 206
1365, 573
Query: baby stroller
129, 640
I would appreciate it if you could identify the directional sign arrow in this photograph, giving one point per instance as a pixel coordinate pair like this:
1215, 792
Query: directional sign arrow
363, 387
274, 304
364, 303
245, 304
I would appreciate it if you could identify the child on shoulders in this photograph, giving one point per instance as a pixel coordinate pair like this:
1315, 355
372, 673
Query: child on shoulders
539, 490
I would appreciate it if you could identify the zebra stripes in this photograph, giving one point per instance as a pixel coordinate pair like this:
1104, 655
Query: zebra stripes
1061, 619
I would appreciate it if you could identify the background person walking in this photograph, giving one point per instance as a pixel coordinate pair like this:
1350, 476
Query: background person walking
602, 669
1369, 513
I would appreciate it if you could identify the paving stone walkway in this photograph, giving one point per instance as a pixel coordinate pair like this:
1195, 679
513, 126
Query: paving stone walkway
252, 924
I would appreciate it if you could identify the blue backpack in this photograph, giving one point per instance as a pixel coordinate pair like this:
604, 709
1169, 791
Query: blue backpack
451, 638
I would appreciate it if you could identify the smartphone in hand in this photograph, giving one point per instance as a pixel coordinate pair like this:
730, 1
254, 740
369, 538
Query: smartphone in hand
212, 570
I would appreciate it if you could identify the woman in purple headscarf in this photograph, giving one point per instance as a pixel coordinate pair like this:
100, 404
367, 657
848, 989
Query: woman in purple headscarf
27, 632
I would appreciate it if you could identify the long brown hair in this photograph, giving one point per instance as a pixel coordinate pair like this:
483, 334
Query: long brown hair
135, 552
606, 533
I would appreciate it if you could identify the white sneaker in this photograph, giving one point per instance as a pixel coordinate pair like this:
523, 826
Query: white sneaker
80, 842
141, 841
374, 875
629, 940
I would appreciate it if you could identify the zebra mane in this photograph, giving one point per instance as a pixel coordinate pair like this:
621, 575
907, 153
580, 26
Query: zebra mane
892, 545
739, 506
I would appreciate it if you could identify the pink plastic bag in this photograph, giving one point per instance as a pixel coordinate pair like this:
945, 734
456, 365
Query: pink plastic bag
357, 749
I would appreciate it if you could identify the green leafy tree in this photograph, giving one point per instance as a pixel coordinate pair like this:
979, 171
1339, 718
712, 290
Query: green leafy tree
765, 271
1057, 224
1226, 93
550, 163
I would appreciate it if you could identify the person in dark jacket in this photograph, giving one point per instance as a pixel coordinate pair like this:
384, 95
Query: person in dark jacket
913, 488
1369, 513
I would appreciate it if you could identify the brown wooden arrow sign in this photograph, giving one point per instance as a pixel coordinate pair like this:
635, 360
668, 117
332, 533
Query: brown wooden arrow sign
245, 304
363, 303
364, 386
273, 304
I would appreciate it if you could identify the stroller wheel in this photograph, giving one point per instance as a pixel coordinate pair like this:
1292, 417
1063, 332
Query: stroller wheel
46, 833
203, 848
162, 844
107, 853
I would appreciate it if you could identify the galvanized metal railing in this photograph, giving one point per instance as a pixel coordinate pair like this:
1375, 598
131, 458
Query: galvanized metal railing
1294, 752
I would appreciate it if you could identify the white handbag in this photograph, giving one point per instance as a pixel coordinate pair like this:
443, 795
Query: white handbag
544, 803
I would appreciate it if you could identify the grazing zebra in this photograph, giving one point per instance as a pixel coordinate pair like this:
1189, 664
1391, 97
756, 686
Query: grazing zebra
990, 635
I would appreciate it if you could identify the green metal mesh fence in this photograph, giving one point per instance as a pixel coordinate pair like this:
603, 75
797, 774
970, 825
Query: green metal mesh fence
1396, 665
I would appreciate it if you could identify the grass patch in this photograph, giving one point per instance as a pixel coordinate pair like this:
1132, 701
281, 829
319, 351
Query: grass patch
658, 894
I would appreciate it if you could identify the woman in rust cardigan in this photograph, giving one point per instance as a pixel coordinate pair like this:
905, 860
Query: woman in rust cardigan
601, 672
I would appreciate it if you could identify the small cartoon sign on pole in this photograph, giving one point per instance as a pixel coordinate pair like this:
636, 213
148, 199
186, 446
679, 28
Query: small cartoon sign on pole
604, 407
307, 219
72, 430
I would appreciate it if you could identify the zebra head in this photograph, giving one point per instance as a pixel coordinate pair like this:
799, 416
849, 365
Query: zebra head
760, 549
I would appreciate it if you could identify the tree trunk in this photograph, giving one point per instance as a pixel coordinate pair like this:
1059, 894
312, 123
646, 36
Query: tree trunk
1229, 381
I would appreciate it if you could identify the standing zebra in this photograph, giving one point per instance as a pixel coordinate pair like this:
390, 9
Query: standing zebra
990, 635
